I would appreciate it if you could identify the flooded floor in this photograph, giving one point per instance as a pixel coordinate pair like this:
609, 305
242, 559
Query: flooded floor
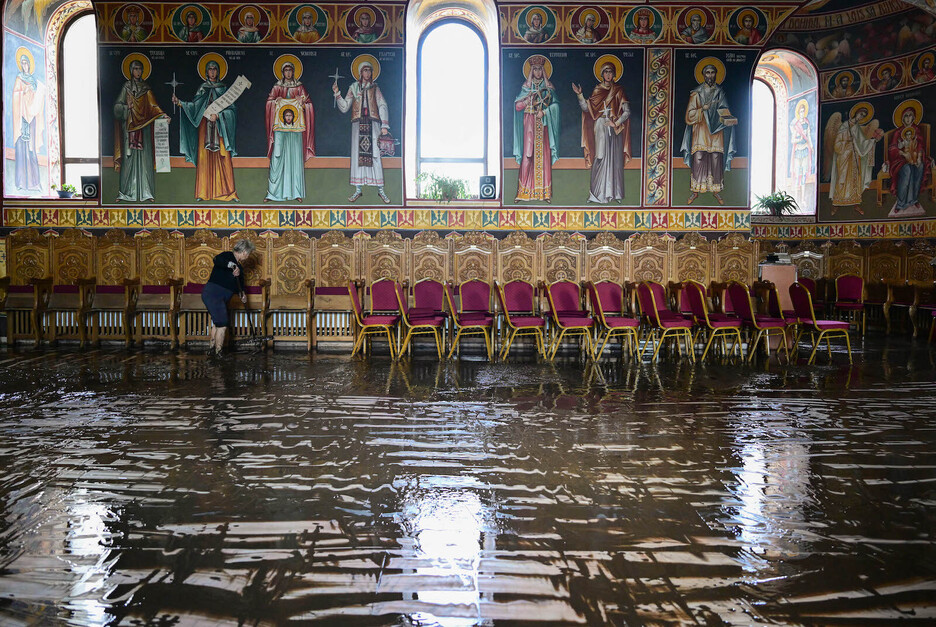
165, 488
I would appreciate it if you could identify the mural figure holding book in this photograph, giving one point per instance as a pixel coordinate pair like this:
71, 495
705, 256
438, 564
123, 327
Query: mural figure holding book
708, 142
290, 125
208, 139
370, 122
135, 112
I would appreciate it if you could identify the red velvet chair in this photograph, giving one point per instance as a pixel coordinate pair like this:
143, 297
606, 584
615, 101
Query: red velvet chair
849, 299
662, 321
717, 326
425, 324
517, 304
565, 308
802, 305
475, 317
371, 324
764, 325
607, 302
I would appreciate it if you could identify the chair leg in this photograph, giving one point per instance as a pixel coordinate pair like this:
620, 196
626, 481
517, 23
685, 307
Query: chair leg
659, 345
816, 343
454, 343
555, 346
708, 344
848, 346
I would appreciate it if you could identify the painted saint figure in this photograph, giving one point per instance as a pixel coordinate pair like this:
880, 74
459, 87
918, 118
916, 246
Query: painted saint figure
695, 33
748, 35
132, 31
708, 141
642, 31
135, 111
28, 104
606, 131
306, 33
802, 151
370, 119
926, 72
908, 163
535, 33
366, 32
849, 148
290, 135
249, 33
586, 33
191, 30
843, 86
209, 142
536, 131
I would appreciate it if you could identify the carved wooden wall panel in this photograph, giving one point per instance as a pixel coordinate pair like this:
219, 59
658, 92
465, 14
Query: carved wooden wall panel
115, 258
605, 258
429, 257
385, 257
886, 260
258, 266
810, 259
516, 258
846, 258
72, 256
290, 263
649, 257
734, 259
919, 258
160, 257
693, 259
562, 255
473, 255
29, 256
335, 260
198, 255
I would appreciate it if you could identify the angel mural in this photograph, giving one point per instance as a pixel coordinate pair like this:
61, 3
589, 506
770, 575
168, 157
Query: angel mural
908, 161
290, 124
849, 155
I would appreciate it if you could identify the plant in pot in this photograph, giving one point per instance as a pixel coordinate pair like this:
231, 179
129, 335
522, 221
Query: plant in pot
778, 204
67, 190
440, 187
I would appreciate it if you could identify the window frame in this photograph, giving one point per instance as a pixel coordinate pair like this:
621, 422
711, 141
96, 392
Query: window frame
773, 135
64, 159
483, 160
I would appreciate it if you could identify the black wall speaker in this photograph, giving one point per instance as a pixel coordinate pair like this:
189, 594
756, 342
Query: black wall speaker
90, 186
488, 188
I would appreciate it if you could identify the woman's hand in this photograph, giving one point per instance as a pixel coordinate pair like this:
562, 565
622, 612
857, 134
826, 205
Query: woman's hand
243, 298
236, 271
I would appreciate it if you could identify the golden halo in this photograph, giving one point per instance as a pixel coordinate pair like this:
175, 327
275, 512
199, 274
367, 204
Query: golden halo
547, 66
913, 104
926, 55
719, 69
282, 60
613, 60
369, 11
217, 58
248, 10
131, 7
746, 13
142, 58
888, 66
907, 133
535, 11
286, 108
838, 78
698, 12
643, 11
585, 14
190, 11
802, 104
359, 60
21, 52
867, 107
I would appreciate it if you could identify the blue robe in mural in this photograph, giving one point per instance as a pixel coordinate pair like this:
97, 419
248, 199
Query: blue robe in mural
210, 145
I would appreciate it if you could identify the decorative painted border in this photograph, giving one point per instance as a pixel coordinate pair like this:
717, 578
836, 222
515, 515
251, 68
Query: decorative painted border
906, 64
430, 218
859, 230
657, 149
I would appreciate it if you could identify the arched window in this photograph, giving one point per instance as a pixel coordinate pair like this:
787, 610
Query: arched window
452, 74
452, 106
78, 102
763, 134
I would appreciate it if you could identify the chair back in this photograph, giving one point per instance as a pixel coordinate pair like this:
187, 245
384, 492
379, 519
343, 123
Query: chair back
695, 299
802, 303
517, 297
647, 302
809, 284
564, 296
475, 295
609, 296
849, 287
659, 295
402, 303
740, 297
356, 303
384, 295
428, 294
773, 302
450, 297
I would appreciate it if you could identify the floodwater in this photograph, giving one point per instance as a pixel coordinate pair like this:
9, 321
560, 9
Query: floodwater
163, 488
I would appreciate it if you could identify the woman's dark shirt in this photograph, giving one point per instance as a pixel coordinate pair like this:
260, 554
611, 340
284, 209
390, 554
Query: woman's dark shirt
222, 272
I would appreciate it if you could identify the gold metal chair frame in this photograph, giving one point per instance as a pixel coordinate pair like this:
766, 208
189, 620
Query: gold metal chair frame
368, 329
722, 333
673, 334
630, 334
462, 330
585, 332
515, 331
828, 334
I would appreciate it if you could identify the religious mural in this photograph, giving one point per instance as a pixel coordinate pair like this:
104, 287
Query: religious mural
25, 163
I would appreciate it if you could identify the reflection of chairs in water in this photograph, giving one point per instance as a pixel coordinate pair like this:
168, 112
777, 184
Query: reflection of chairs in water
883, 177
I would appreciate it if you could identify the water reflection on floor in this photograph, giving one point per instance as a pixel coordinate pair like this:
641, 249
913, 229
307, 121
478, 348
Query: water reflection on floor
166, 488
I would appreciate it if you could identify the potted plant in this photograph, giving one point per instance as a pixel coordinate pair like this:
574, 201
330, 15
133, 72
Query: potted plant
67, 190
440, 187
777, 204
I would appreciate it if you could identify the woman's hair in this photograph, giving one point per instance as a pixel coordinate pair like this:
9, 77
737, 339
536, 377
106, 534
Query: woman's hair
244, 246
